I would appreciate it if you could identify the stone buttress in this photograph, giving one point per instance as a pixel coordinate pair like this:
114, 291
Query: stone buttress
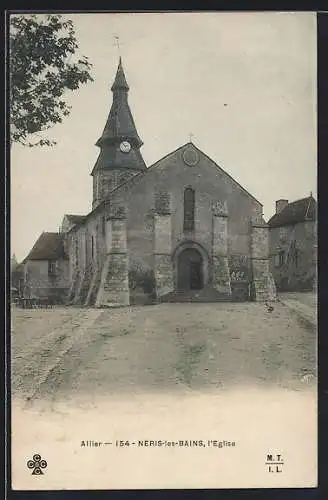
220, 273
114, 282
263, 283
163, 245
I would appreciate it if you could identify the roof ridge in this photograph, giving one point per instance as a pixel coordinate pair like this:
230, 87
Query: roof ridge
226, 173
301, 199
294, 212
75, 215
142, 173
45, 249
138, 175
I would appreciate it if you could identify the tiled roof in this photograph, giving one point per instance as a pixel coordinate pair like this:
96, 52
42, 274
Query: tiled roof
49, 246
120, 80
119, 127
112, 157
297, 211
120, 123
75, 219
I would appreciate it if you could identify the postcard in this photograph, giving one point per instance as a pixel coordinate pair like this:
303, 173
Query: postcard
163, 250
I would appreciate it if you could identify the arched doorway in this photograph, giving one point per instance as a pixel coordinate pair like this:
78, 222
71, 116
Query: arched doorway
190, 270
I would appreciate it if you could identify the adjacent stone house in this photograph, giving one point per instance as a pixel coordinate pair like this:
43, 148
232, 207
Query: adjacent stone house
45, 269
293, 244
180, 229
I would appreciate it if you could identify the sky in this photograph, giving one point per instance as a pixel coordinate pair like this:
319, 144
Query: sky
244, 84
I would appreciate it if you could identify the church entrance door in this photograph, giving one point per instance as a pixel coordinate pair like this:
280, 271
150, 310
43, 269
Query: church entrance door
190, 270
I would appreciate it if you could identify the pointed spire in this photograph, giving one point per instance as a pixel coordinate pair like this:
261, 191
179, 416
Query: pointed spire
119, 127
120, 82
120, 124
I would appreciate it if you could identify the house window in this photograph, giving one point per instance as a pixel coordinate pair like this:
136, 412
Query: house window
189, 210
283, 234
52, 267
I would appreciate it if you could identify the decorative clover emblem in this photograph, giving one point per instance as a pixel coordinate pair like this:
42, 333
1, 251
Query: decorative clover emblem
37, 464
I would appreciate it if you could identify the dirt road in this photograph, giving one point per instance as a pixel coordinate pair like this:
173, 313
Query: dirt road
70, 352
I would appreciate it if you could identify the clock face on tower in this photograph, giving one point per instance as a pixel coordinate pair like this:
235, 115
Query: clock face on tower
125, 146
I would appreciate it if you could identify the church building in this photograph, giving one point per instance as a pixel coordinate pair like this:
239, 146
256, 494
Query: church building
180, 229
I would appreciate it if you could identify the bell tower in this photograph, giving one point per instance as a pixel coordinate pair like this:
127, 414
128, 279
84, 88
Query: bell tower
119, 157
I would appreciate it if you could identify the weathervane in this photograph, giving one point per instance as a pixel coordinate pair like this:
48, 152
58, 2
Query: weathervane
191, 135
117, 43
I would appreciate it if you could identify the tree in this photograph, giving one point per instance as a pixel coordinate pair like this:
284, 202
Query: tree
43, 65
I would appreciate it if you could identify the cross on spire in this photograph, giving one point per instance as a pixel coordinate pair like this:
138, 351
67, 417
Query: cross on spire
191, 135
117, 43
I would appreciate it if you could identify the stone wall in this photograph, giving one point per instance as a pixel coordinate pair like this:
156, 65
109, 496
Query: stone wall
114, 281
263, 286
39, 283
163, 270
105, 181
290, 272
220, 265
163, 275
172, 176
153, 228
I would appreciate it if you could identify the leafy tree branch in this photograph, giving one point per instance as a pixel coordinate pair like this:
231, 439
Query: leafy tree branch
43, 67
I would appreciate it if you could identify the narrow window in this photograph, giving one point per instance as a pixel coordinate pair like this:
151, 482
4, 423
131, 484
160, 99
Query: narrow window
104, 226
281, 258
96, 185
92, 247
189, 210
76, 252
52, 267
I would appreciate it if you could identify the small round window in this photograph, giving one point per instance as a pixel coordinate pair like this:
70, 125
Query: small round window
190, 157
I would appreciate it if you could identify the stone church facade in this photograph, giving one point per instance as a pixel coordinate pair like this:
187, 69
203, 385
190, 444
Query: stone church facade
182, 228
